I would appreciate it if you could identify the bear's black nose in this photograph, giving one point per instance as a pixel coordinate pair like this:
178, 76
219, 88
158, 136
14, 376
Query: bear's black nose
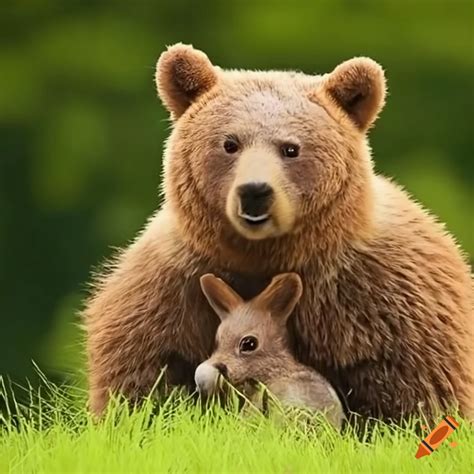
255, 199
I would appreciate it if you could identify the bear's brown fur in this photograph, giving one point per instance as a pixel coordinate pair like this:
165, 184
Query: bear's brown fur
387, 311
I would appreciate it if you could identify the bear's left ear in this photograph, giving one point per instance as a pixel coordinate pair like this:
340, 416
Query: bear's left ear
182, 75
357, 86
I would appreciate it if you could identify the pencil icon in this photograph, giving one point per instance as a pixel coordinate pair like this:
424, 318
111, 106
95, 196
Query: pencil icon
437, 436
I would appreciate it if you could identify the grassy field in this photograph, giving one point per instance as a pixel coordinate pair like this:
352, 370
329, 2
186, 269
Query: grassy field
58, 436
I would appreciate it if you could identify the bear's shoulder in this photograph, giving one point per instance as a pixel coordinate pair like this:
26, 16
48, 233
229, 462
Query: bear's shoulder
404, 225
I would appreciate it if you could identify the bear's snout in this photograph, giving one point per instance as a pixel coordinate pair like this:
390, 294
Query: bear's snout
255, 201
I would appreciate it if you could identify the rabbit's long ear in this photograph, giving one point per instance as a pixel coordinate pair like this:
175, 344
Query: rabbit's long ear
222, 298
280, 296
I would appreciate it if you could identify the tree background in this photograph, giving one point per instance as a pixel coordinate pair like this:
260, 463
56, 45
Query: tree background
81, 129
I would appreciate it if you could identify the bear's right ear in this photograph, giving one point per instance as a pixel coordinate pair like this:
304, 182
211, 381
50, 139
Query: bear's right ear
182, 75
357, 87
222, 298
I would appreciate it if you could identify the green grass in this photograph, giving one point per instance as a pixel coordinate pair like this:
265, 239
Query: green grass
58, 436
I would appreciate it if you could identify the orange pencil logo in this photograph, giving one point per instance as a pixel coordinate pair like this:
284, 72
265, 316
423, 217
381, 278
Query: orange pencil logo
436, 437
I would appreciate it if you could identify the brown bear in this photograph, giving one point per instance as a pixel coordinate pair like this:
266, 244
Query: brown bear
271, 172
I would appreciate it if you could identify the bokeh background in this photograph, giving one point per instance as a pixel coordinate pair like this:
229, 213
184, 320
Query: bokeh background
82, 130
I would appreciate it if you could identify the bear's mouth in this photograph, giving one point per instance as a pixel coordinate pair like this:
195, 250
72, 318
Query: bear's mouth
254, 221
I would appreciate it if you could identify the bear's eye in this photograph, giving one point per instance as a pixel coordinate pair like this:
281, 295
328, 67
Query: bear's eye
288, 150
248, 344
231, 146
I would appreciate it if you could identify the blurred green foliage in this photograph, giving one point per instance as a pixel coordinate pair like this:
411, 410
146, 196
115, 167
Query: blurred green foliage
82, 131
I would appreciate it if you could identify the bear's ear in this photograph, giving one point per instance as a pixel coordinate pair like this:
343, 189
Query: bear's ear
182, 75
280, 297
358, 87
222, 298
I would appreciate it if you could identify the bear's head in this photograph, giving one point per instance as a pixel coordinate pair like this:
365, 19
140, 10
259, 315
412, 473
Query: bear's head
256, 158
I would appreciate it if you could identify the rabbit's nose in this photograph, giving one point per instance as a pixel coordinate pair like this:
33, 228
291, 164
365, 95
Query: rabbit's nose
206, 377
222, 368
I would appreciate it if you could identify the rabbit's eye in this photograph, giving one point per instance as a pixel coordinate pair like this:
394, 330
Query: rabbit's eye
248, 344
